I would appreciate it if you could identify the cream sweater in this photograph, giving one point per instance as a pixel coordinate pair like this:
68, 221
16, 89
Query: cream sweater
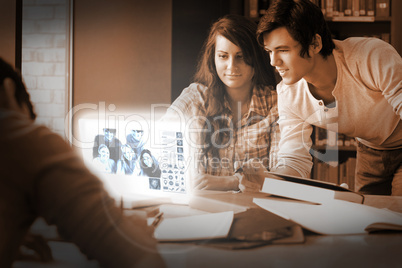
368, 95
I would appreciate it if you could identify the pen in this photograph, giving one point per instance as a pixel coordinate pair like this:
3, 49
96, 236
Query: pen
239, 170
157, 219
239, 165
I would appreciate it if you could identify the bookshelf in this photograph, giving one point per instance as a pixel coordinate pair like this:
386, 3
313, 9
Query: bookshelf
368, 18
334, 157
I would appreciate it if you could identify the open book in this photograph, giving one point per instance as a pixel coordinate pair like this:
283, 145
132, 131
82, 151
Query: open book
307, 189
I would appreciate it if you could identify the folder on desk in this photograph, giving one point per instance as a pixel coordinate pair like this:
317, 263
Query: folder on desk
333, 218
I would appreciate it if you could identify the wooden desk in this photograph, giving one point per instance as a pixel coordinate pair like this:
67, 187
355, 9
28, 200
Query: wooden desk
371, 250
374, 250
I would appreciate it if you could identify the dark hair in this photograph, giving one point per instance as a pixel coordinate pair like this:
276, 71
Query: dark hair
241, 32
21, 94
303, 20
154, 170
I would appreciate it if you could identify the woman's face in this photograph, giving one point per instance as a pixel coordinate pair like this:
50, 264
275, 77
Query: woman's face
128, 153
147, 159
230, 65
104, 154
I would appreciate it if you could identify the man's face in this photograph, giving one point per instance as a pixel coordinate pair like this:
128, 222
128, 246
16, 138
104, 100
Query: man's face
137, 134
109, 135
284, 52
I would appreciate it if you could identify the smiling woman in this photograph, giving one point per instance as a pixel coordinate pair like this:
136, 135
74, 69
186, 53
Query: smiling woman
235, 74
232, 103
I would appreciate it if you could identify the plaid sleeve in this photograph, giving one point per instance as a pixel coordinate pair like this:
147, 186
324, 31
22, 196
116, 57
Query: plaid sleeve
190, 103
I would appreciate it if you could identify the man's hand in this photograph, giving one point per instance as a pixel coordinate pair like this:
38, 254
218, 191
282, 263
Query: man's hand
35, 248
139, 219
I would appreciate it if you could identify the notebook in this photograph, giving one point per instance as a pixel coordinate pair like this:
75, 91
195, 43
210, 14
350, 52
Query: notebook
141, 162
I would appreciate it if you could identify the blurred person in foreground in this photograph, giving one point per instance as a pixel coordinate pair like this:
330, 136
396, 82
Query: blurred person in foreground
51, 181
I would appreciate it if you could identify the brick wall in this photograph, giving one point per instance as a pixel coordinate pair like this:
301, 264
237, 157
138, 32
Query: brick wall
45, 41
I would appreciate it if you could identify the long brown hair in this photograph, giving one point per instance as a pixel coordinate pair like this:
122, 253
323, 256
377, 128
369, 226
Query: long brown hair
241, 32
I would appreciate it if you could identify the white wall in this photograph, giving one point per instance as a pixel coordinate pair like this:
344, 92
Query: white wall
44, 59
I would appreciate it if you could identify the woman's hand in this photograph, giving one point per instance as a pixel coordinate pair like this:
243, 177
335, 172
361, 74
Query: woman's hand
218, 183
253, 176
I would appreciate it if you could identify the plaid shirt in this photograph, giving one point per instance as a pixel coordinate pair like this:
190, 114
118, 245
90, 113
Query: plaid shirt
256, 136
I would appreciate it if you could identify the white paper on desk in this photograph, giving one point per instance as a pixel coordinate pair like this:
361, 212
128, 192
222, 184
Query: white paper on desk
197, 227
333, 218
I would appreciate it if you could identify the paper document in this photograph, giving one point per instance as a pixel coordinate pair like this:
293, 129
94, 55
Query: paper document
197, 227
333, 218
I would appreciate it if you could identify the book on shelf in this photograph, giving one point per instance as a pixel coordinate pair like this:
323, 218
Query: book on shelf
354, 10
350, 166
335, 9
341, 8
333, 172
320, 136
329, 8
382, 8
251, 9
362, 8
370, 8
323, 137
348, 8
310, 190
